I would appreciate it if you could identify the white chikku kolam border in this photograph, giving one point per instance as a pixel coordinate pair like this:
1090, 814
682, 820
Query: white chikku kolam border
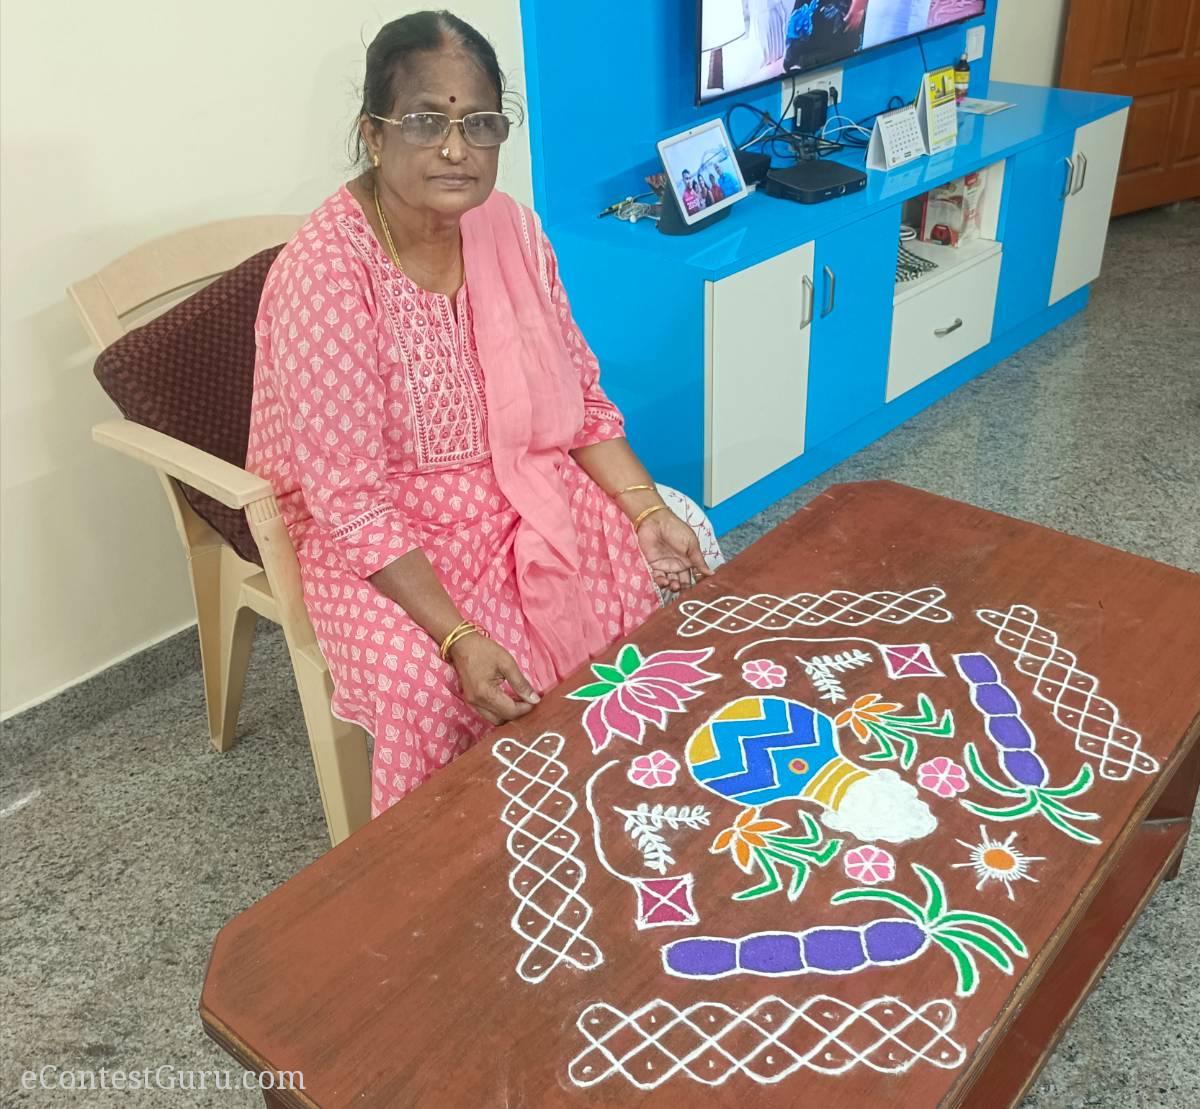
767, 612
777, 1038
547, 877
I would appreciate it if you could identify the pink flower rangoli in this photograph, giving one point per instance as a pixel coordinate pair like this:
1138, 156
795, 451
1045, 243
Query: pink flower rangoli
762, 673
942, 776
653, 770
869, 865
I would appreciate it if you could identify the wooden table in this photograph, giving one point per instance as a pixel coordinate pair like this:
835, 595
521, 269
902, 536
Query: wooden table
506, 937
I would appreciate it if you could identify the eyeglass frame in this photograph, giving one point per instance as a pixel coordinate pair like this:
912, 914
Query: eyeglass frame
449, 124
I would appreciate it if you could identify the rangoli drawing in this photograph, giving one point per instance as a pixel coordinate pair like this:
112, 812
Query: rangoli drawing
645, 824
1072, 693
660, 901
903, 660
754, 841
709, 1042
871, 717
653, 770
757, 750
994, 860
823, 671
943, 776
1021, 763
762, 673
547, 877
845, 949
638, 691
766, 612
869, 865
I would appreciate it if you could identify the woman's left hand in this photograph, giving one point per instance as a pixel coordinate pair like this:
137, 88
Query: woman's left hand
672, 551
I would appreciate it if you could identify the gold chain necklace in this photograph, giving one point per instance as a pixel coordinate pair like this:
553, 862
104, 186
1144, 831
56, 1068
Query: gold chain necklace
387, 231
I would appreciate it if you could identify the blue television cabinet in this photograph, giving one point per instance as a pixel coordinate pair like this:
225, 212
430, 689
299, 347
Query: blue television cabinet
752, 356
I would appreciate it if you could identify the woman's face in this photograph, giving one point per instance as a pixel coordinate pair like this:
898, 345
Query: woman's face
448, 81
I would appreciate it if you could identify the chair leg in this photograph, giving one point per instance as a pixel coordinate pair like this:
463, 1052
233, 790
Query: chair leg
339, 750
226, 631
237, 637
205, 564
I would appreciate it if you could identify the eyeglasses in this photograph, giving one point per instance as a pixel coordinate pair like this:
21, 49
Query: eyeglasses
430, 128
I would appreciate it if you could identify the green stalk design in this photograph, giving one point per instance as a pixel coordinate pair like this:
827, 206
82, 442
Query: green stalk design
899, 732
1034, 799
799, 853
960, 933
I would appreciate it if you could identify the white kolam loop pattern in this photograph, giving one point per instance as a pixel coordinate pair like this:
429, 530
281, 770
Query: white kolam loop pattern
767, 612
547, 877
1071, 693
710, 1042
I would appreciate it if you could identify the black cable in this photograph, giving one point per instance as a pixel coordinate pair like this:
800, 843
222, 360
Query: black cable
924, 60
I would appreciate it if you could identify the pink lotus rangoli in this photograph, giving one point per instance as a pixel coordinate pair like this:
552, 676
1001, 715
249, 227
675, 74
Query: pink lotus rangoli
637, 691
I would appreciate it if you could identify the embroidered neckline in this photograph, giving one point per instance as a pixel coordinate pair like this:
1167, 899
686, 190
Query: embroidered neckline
352, 213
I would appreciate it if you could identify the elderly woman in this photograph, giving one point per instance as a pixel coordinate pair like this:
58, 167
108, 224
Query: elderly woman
470, 522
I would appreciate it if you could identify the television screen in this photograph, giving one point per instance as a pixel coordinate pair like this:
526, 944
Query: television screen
744, 43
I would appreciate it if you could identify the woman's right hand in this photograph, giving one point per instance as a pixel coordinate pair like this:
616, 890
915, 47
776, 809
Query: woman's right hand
483, 667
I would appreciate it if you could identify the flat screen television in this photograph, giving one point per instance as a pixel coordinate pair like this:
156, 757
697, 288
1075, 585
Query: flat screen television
745, 43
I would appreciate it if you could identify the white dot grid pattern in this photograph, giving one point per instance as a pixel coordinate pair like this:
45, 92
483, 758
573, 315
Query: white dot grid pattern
1071, 693
551, 915
370, 421
766, 612
710, 1042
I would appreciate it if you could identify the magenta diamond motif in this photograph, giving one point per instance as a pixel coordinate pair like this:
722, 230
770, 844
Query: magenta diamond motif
910, 660
665, 901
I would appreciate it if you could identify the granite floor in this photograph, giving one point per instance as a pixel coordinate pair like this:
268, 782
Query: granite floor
127, 842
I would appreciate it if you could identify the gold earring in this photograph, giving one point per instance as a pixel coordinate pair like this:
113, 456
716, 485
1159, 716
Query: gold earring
375, 160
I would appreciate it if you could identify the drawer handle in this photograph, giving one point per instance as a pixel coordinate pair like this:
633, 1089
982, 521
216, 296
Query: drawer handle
1069, 187
942, 332
806, 284
1083, 168
830, 291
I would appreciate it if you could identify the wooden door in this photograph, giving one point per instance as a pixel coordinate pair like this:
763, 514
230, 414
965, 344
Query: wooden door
1149, 50
758, 331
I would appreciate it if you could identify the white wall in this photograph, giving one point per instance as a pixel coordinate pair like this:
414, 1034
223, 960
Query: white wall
1028, 41
123, 121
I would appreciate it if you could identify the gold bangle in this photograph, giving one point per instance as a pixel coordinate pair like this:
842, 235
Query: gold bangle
455, 640
637, 523
635, 489
456, 633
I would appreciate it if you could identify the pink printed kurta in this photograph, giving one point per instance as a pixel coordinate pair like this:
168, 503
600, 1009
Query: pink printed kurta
369, 420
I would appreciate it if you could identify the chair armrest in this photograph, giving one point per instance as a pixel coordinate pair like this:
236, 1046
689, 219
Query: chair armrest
229, 484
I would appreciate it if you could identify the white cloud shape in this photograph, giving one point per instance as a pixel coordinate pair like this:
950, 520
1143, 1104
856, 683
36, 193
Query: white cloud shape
882, 806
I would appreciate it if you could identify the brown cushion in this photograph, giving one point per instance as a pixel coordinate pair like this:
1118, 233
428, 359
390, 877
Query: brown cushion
189, 373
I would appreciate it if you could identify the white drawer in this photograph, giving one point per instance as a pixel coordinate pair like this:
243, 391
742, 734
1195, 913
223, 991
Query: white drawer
942, 324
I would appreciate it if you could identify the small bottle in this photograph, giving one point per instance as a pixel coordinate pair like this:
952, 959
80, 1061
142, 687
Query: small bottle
962, 79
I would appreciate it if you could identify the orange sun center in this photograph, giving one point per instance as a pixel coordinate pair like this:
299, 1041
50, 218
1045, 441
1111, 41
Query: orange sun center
997, 858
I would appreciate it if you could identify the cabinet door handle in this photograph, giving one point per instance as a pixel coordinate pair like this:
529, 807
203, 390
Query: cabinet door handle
942, 332
1082, 174
809, 291
830, 291
1069, 187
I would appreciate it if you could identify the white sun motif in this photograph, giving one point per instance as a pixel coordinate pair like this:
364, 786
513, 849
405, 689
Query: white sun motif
996, 861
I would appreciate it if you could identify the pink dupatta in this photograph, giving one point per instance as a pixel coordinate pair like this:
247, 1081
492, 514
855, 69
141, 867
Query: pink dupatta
535, 410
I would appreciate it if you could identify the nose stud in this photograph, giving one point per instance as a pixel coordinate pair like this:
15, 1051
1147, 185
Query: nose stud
445, 152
